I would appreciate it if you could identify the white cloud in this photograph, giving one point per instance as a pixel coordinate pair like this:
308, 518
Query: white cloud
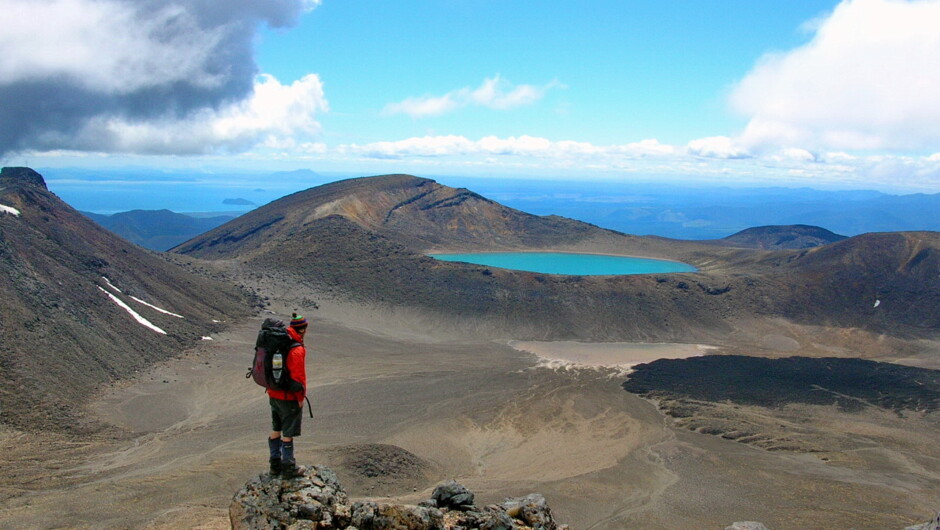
868, 79
648, 147
798, 155
72, 66
105, 46
719, 159
717, 147
522, 145
546, 158
494, 93
513, 146
839, 156
274, 115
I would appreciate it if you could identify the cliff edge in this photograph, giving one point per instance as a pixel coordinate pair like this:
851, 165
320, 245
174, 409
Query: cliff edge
317, 500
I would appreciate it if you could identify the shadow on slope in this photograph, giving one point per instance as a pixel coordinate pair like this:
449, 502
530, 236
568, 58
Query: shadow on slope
851, 384
67, 292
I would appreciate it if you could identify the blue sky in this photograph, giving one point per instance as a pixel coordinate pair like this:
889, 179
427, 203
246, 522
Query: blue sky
820, 93
621, 71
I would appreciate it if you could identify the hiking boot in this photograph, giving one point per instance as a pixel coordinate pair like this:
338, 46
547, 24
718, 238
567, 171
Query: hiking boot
290, 471
275, 466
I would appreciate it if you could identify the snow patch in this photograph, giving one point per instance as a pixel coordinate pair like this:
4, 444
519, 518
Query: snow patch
9, 209
206, 338
151, 306
559, 365
138, 300
111, 285
617, 358
143, 321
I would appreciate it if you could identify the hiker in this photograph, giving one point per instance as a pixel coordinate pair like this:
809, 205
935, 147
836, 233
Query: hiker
287, 405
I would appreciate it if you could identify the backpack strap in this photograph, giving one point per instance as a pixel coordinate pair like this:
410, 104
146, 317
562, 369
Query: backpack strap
290, 380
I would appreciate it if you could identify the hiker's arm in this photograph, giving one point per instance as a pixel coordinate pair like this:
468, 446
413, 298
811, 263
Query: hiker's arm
297, 365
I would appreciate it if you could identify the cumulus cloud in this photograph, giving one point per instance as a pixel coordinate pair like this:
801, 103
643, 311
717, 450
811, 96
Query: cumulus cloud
717, 147
717, 159
867, 79
273, 115
512, 146
72, 67
494, 92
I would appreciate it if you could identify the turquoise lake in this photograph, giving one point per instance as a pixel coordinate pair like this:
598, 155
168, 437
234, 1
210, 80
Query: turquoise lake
570, 264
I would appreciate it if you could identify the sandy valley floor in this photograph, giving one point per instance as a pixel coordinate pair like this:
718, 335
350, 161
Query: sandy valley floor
395, 413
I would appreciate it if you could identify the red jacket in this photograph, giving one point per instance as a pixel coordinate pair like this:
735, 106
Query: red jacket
297, 367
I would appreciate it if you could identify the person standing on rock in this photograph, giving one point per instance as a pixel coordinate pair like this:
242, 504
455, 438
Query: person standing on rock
287, 406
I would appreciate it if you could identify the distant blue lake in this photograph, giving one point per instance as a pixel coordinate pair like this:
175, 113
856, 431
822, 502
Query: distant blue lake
567, 263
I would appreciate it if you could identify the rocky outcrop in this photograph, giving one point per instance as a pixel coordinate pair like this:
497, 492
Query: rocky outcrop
316, 500
22, 175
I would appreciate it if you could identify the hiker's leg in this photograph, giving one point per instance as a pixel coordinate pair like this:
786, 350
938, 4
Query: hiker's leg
274, 453
274, 439
293, 413
287, 453
291, 416
277, 416
274, 445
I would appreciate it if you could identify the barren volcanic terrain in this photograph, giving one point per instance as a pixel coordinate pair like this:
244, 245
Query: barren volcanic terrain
367, 239
396, 412
73, 298
808, 399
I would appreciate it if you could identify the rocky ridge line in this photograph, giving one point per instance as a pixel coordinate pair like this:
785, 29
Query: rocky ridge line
316, 500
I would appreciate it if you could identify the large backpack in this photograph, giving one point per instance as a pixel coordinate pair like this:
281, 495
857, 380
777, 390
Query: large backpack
270, 363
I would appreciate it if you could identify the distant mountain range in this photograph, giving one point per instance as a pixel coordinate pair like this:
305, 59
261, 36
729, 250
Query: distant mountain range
80, 307
686, 212
158, 229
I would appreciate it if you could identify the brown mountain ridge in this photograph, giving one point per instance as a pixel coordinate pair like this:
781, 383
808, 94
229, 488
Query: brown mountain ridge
367, 239
780, 237
418, 212
62, 332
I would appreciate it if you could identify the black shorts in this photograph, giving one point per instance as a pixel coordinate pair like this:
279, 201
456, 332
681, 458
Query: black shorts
286, 416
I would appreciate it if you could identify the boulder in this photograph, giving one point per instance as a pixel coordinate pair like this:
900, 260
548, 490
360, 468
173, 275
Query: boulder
376, 516
267, 501
533, 510
452, 495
